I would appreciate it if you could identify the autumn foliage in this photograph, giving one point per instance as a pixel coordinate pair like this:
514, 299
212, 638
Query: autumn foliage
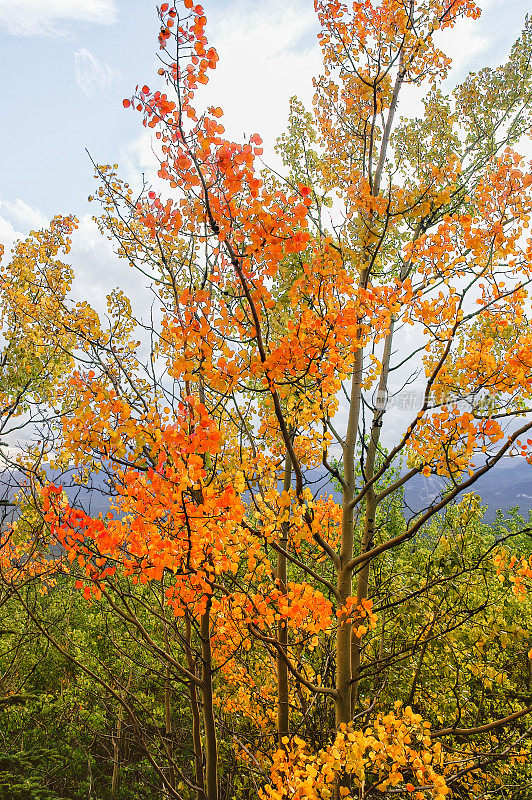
256, 541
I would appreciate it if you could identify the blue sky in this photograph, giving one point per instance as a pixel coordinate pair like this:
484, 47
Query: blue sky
67, 64
63, 81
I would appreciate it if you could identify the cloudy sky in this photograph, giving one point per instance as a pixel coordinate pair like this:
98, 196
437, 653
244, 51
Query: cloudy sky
67, 65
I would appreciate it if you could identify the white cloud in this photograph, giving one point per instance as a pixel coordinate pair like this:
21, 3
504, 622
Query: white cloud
8, 236
98, 270
51, 17
92, 76
24, 216
138, 162
268, 52
464, 43
17, 218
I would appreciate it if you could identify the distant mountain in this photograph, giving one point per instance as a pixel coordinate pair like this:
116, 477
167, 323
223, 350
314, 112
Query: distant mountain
505, 486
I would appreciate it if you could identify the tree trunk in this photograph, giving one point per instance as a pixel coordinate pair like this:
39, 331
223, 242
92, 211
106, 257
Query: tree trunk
282, 630
196, 727
168, 710
211, 752
370, 513
344, 577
